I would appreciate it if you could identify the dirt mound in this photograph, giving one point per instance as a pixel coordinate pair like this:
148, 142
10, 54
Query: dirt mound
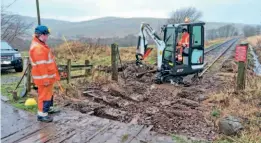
140, 101
131, 70
193, 93
137, 102
170, 113
229, 66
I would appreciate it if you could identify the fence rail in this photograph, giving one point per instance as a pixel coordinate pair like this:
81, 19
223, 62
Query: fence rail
65, 72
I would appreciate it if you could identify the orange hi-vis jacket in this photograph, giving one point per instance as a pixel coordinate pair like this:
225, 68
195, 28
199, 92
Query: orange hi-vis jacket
184, 40
44, 68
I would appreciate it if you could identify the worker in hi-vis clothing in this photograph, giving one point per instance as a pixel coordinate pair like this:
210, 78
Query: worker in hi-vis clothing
183, 43
44, 72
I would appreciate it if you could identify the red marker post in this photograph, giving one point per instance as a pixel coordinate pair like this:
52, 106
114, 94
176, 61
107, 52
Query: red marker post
241, 58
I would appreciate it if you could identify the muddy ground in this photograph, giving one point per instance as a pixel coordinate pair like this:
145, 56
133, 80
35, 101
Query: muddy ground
170, 109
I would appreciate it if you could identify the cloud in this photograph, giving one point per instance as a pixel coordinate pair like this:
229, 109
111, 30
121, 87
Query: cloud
79, 10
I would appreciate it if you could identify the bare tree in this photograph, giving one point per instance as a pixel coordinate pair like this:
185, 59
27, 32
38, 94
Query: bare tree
211, 34
222, 32
227, 30
249, 31
258, 29
179, 15
12, 26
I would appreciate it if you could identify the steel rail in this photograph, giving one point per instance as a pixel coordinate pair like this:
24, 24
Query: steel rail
217, 46
221, 54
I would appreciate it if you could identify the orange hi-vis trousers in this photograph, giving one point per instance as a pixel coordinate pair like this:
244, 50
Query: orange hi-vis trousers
45, 98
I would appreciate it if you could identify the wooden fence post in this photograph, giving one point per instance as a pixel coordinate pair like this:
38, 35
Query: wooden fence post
114, 63
241, 74
87, 71
69, 70
28, 76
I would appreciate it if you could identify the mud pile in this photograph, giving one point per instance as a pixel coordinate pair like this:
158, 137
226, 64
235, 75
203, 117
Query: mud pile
137, 100
148, 105
229, 66
131, 71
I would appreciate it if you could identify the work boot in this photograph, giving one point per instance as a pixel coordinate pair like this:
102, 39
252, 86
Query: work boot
53, 110
46, 119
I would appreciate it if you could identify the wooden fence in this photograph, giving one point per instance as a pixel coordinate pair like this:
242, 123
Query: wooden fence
64, 70
67, 69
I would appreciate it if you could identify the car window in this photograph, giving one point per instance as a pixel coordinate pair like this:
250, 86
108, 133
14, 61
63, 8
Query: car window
6, 47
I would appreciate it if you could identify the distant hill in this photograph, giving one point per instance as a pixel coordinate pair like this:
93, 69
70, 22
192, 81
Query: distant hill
110, 29
107, 26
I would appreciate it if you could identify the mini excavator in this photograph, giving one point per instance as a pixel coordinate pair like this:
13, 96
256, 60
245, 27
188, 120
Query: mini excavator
175, 60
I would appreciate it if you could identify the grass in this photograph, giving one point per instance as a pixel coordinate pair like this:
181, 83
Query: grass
124, 138
250, 60
181, 139
100, 54
10, 73
24, 53
178, 139
254, 39
244, 105
6, 90
32, 109
214, 42
255, 42
215, 113
244, 137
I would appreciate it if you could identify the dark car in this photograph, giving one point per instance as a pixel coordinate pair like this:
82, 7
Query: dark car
10, 58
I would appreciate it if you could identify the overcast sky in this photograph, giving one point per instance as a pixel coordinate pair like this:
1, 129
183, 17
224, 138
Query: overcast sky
236, 11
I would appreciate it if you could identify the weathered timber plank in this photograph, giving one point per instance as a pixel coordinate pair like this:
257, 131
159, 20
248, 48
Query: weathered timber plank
44, 135
143, 135
106, 134
125, 134
25, 132
87, 129
110, 100
98, 132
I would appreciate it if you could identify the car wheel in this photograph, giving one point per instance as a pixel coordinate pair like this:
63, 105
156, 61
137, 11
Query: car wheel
20, 69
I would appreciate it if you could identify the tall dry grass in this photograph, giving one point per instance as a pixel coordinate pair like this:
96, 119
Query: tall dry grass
81, 51
100, 54
95, 53
213, 42
255, 41
244, 104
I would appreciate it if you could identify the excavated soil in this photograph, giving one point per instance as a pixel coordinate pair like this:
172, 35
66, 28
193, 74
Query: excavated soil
169, 108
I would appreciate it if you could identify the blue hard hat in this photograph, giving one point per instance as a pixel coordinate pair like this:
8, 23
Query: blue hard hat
41, 29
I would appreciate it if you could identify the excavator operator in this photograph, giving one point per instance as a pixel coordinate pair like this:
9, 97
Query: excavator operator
183, 43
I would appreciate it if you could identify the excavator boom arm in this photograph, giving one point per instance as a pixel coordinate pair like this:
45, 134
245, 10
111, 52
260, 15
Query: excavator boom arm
142, 48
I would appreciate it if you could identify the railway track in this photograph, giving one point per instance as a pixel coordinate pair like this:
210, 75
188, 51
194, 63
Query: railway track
215, 47
215, 53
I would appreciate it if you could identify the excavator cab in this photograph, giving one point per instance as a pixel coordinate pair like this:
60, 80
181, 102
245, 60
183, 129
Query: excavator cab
179, 53
182, 57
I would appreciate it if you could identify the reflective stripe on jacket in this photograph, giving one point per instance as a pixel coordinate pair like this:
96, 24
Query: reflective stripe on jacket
44, 68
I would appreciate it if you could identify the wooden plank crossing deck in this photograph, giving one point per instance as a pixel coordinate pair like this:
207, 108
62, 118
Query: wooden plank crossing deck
72, 126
